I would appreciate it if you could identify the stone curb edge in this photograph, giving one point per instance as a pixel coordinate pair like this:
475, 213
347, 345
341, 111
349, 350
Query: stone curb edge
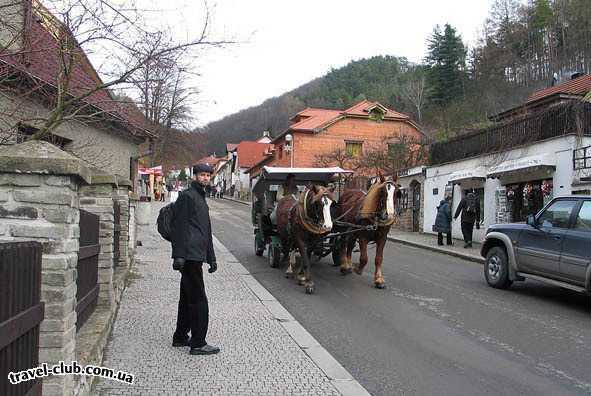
339, 377
468, 257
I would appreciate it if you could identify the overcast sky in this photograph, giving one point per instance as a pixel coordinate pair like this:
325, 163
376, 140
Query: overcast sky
287, 43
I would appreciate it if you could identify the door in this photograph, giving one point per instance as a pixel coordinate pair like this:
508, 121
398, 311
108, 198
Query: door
576, 254
539, 248
416, 207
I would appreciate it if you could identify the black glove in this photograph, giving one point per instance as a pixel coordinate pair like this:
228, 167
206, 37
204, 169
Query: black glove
213, 267
477, 226
178, 264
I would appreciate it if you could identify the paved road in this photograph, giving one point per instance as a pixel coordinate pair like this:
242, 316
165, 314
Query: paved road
437, 328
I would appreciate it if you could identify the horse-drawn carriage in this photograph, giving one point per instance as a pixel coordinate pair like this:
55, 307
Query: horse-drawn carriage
303, 215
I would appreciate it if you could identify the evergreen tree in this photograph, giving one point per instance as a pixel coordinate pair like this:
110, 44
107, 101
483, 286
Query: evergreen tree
447, 61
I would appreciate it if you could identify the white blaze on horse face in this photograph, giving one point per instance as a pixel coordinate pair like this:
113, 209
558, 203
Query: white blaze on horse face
326, 202
390, 199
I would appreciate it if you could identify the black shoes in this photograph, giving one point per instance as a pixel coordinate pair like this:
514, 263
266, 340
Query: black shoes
180, 343
204, 350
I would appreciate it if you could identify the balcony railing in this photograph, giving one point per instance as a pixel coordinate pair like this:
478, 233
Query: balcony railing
567, 118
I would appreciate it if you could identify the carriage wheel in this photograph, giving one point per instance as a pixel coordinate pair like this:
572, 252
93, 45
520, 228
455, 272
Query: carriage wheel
274, 256
258, 249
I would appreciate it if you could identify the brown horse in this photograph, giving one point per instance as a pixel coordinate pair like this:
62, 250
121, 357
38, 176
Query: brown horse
301, 224
376, 207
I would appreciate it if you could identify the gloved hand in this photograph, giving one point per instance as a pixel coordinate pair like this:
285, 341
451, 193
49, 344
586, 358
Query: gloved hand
213, 267
178, 264
477, 226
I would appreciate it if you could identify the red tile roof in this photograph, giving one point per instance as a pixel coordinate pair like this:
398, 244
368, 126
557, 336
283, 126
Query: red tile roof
250, 153
363, 108
210, 160
312, 119
41, 61
578, 86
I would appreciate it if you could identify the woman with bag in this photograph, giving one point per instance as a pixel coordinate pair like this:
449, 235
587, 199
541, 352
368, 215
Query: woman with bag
443, 221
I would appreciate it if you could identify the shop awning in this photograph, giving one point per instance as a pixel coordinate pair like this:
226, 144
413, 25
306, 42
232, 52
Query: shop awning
468, 174
535, 162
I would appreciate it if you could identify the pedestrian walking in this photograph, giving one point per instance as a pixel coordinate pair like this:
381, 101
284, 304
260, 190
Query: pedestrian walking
443, 221
469, 207
192, 246
163, 192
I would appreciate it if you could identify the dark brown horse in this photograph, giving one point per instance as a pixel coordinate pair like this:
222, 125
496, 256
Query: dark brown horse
376, 207
301, 224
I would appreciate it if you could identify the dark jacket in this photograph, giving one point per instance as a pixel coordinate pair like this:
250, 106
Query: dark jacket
468, 217
443, 219
192, 238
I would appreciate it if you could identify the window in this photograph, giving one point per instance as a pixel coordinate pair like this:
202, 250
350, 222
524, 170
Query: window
557, 215
24, 131
354, 149
584, 218
582, 158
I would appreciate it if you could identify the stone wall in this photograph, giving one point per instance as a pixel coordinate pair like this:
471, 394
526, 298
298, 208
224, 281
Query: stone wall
45, 208
42, 190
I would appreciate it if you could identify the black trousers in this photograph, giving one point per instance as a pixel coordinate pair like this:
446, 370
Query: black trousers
440, 238
467, 230
193, 313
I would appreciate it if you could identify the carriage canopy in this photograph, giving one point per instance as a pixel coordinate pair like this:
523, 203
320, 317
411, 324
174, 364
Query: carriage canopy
273, 176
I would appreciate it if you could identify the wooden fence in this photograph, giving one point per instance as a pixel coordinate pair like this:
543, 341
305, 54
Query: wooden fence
88, 288
21, 312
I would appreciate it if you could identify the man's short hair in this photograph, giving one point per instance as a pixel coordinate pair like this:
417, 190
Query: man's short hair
202, 168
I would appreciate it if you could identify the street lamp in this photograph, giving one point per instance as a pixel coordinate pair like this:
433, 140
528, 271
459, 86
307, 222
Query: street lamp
289, 146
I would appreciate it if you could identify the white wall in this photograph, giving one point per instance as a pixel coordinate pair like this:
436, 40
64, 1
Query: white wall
438, 176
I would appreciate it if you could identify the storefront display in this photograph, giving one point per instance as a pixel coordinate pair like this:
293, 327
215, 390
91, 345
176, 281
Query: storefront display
528, 198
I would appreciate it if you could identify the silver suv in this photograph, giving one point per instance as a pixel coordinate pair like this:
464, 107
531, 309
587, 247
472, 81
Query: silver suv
553, 246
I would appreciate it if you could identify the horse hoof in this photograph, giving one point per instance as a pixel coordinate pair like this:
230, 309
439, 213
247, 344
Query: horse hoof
310, 289
345, 271
380, 285
301, 282
358, 271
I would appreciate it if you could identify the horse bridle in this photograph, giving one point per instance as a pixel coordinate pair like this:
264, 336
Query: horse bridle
312, 224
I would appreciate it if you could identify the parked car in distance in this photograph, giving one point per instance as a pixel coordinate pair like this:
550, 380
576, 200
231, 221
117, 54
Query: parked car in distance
554, 246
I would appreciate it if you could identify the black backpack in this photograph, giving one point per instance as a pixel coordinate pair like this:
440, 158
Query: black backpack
471, 204
165, 222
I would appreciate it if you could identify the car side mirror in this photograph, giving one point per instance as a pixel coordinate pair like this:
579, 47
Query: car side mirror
531, 221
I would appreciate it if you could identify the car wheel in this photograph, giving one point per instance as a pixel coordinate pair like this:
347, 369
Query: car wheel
496, 268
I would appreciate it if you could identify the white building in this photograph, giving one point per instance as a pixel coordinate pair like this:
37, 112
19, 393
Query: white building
545, 157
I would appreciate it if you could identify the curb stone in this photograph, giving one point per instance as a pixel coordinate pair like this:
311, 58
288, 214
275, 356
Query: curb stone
465, 256
339, 377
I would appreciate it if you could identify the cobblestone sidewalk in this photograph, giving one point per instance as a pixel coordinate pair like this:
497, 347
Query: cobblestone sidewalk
264, 351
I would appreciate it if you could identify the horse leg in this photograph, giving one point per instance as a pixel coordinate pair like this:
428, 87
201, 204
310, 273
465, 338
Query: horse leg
378, 278
301, 277
346, 252
362, 256
308, 283
291, 264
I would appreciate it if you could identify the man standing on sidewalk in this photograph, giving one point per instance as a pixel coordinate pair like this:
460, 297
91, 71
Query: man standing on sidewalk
192, 245
470, 209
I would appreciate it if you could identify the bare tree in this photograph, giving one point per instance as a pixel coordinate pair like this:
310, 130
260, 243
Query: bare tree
393, 155
59, 34
338, 157
415, 91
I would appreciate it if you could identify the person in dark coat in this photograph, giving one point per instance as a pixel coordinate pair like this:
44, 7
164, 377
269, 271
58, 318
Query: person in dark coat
469, 207
443, 222
192, 245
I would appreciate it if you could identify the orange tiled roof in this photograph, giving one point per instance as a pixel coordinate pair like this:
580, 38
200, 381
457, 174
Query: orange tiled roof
312, 119
578, 86
250, 153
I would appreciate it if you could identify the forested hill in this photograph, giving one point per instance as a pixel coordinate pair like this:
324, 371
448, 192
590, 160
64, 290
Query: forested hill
377, 78
524, 44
